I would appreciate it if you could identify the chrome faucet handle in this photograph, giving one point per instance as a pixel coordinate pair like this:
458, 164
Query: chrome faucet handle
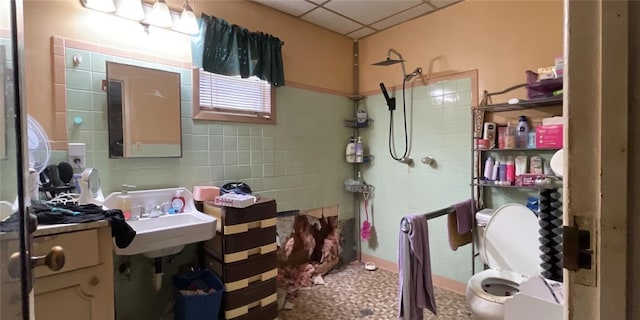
137, 212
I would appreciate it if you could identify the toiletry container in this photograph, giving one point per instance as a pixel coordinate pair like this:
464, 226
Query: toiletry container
350, 152
359, 151
522, 133
495, 172
489, 133
503, 173
521, 165
124, 201
488, 168
178, 202
536, 165
510, 139
511, 171
361, 118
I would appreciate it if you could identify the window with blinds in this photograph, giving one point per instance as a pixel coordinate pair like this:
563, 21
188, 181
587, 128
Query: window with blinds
231, 98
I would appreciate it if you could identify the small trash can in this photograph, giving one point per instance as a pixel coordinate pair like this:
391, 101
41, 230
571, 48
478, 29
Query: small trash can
197, 295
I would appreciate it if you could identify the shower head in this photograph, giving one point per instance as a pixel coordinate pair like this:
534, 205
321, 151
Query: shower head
387, 62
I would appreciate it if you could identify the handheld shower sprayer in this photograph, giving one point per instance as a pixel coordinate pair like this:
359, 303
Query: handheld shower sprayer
391, 102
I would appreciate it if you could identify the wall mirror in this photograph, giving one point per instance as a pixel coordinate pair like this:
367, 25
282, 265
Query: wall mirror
143, 112
3, 104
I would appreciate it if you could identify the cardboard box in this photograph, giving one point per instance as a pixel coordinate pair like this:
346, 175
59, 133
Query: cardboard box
550, 136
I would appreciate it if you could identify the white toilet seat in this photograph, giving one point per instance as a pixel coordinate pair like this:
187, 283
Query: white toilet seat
476, 281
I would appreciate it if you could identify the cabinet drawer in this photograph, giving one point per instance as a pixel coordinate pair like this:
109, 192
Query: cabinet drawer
263, 309
80, 250
264, 209
230, 272
255, 291
229, 244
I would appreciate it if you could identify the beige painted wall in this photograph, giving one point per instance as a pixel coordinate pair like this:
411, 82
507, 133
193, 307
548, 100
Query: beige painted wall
501, 39
633, 309
308, 53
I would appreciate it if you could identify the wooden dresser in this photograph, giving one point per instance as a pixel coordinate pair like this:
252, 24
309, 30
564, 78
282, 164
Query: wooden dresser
243, 255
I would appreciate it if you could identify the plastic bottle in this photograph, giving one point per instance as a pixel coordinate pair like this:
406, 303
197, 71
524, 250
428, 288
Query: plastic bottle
178, 202
522, 133
510, 138
124, 201
496, 171
488, 168
350, 152
511, 171
503, 173
359, 151
361, 118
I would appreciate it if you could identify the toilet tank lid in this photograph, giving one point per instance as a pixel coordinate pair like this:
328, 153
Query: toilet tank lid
511, 240
483, 216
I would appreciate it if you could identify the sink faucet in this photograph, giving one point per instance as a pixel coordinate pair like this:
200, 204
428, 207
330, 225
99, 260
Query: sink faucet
159, 210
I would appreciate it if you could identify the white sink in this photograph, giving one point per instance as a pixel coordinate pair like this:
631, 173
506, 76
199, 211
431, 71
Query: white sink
166, 234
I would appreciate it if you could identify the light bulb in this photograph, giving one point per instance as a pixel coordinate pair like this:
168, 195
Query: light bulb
160, 15
100, 5
188, 23
131, 9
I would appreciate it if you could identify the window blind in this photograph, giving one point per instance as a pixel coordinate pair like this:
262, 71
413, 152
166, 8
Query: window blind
234, 95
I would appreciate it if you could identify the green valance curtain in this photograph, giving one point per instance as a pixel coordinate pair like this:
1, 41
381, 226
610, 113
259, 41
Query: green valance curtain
231, 50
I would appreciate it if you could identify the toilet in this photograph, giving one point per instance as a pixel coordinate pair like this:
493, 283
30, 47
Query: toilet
507, 241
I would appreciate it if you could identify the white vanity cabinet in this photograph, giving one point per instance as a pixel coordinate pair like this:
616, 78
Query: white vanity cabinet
83, 288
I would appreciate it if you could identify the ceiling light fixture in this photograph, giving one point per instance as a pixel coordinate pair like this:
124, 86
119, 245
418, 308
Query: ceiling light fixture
187, 23
100, 5
157, 15
130, 9
160, 15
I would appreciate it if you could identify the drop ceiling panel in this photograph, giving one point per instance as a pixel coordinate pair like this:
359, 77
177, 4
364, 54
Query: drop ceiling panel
361, 33
443, 3
292, 7
367, 12
331, 21
403, 16
357, 18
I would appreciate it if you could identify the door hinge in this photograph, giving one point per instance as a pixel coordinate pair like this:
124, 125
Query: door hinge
577, 251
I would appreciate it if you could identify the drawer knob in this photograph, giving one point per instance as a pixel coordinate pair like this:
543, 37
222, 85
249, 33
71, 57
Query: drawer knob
54, 260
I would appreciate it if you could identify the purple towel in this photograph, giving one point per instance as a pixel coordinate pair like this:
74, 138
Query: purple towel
464, 214
421, 292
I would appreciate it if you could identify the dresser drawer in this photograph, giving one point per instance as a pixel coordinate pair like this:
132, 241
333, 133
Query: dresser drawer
235, 271
265, 209
80, 251
255, 291
242, 242
263, 309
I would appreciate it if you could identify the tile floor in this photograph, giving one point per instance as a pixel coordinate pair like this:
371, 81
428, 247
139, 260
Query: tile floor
354, 293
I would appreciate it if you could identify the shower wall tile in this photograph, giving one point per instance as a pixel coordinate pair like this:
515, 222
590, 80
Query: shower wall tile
441, 128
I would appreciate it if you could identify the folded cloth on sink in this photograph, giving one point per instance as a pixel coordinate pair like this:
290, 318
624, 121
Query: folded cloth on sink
65, 214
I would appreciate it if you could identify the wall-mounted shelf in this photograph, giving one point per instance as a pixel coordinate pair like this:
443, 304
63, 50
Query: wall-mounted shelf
491, 185
523, 104
518, 149
353, 123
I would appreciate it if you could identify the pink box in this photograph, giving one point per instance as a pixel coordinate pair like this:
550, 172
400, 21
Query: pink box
549, 136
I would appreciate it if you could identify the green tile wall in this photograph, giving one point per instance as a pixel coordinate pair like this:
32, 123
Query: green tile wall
8, 175
299, 161
439, 118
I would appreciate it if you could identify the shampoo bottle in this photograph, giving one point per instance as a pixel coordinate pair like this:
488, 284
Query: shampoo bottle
503, 173
488, 168
511, 171
350, 153
359, 151
495, 172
